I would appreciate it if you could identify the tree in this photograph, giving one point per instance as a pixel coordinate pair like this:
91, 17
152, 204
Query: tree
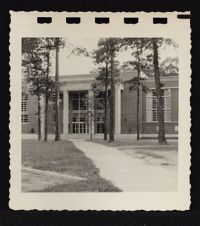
90, 111
58, 42
34, 76
47, 44
137, 84
57, 127
169, 67
110, 46
36, 55
101, 56
149, 49
36, 64
137, 46
104, 77
160, 116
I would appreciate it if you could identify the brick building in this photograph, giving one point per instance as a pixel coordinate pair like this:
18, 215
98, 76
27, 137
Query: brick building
73, 109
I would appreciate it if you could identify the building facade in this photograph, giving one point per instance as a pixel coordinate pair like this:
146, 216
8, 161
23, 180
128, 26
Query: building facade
74, 117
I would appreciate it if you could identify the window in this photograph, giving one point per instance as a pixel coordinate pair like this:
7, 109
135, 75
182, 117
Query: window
151, 105
24, 102
100, 124
79, 125
99, 101
78, 112
24, 118
75, 104
79, 101
24, 108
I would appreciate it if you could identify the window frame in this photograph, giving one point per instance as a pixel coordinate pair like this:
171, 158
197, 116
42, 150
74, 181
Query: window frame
153, 109
24, 108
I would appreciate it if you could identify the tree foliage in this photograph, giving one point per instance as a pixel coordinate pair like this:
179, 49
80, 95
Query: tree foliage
108, 76
36, 66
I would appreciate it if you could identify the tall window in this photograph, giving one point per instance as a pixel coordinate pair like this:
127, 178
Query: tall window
24, 108
100, 124
151, 105
79, 101
99, 101
78, 106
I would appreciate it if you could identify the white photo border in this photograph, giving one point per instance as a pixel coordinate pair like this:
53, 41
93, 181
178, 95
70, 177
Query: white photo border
24, 24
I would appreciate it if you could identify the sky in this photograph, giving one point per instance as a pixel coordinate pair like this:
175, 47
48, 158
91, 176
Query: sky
71, 64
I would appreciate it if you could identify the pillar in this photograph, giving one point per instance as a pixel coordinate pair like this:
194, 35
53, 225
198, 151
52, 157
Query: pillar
65, 112
117, 109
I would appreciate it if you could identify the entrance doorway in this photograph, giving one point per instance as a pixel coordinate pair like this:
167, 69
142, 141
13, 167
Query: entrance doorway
80, 126
78, 109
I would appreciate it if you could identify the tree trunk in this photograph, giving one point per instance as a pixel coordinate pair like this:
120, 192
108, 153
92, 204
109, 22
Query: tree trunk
138, 108
46, 101
46, 119
105, 103
90, 128
160, 116
39, 118
138, 95
112, 98
57, 127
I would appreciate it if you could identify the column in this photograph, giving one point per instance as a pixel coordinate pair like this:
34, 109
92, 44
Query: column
65, 112
117, 109
91, 109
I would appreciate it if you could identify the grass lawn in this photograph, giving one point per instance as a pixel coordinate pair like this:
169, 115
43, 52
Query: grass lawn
64, 157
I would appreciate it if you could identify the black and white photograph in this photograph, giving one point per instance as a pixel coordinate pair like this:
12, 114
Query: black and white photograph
99, 115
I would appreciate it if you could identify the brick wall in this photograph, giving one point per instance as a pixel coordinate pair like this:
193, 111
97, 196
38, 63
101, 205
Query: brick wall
129, 110
32, 123
170, 127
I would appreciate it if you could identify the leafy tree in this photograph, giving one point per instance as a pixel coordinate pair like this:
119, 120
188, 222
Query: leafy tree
90, 111
107, 50
46, 46
137, 47
58, 42
34, 76
101, 56
155, 44
104, 78
146, 53
36, 52
98, 87
158, 86
137, 84
169, 67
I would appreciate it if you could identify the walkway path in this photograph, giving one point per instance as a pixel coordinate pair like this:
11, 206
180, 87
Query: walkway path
128, 173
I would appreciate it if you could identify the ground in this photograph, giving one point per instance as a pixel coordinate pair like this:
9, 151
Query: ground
57, 167
80, 165
131, 165
148, 149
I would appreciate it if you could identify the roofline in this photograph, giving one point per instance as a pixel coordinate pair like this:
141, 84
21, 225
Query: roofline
82, 77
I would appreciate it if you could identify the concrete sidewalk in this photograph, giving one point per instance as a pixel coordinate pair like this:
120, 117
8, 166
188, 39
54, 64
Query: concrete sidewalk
128, 174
